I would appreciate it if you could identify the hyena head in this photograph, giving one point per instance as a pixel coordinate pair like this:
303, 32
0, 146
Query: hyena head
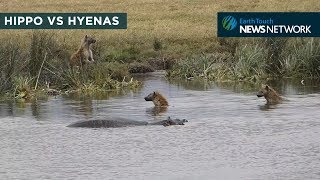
88, 40
150, 97
269, 93
264, 91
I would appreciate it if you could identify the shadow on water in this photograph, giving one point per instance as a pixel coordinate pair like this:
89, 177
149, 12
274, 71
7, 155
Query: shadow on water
267, 107
284, 86
296, 86
156, 111
38, 108
196, 84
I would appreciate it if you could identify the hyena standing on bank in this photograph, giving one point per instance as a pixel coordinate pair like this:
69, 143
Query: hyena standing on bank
84, 53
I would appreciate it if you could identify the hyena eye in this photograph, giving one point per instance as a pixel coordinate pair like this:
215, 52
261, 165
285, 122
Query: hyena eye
267, 87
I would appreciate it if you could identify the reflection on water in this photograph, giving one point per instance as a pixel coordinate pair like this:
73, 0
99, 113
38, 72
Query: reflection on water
156, 111
285, 86
231, 134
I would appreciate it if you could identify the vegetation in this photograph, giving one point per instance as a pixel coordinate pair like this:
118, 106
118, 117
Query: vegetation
254, 60
171, 29
32, 70
175, 35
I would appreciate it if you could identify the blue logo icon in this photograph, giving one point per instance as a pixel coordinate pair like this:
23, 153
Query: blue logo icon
229, 23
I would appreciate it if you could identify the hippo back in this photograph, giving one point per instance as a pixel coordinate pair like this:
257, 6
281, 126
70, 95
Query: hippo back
108, 123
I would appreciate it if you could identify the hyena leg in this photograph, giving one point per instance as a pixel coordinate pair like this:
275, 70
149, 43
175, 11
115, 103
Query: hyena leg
91, 56
85, 60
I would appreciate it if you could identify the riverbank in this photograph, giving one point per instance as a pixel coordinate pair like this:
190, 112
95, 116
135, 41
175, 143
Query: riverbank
254, 60
175, 35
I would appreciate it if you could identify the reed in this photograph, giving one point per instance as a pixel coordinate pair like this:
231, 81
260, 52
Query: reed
256, 60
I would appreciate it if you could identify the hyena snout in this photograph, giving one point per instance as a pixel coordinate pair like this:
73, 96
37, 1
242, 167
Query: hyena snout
260, 94
150, 97
147, 98
91, 41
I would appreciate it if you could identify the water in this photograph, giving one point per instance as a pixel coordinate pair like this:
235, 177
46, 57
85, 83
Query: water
230, 135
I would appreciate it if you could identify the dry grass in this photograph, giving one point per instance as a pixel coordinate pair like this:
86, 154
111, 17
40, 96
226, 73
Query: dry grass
157, 30
185, 26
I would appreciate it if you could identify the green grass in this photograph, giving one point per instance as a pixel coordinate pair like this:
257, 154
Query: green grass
256, 60
26, 72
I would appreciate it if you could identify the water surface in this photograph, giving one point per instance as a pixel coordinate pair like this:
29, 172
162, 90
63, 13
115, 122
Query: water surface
231, 134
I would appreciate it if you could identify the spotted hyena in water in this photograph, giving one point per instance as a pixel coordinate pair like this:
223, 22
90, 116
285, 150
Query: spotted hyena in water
269, 94
84, 54
158, 99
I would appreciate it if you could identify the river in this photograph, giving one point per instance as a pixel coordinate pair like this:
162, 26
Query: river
231, 134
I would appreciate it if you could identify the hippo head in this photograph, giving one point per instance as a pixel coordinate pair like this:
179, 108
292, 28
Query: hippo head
170, 122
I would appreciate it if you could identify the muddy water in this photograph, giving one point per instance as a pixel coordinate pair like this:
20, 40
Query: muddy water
230, 135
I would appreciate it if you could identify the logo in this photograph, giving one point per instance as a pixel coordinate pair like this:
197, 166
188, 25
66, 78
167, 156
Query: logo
268, 24
229, 23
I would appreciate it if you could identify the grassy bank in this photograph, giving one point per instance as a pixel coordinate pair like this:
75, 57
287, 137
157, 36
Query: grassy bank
159, 34
254, 60
42, 67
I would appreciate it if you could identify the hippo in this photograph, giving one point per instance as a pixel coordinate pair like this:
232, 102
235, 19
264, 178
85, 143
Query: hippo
125, 123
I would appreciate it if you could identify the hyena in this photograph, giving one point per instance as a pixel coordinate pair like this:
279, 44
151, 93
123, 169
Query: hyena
157, 99
84, 54
269, 94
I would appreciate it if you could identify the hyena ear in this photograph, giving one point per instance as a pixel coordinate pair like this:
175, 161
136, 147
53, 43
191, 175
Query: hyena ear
267, 87
86, 36
154, 93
